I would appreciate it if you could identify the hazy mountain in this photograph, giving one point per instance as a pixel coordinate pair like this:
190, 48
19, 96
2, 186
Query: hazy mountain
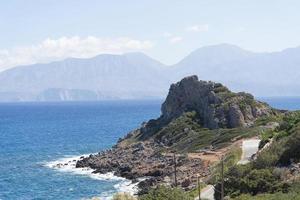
132, 75
135, 75
202, 60
57, 94
263, 74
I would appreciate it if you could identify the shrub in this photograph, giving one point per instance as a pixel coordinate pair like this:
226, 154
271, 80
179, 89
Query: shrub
276, 196
230, 160
291, 150
243, 179
261, 181
265, 137
221, 88
166, 193
123, 196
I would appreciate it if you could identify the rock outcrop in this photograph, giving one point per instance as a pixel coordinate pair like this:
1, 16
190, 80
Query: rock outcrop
216, 106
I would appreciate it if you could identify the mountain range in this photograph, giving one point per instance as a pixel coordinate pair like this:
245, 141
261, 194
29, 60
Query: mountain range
137, 76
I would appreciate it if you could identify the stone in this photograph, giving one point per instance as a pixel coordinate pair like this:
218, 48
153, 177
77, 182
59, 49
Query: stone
186, 183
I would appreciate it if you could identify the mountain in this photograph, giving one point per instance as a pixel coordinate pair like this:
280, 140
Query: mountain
263, 74
135, 75
57, 94
132, 75
203, 60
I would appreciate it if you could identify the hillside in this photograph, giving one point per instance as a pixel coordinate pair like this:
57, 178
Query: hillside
197, 116
275, 171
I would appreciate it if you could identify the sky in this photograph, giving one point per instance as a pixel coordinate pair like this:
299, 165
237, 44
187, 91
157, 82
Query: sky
34, 31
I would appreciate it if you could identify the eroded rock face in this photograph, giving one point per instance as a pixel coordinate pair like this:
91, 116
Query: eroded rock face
235, 117
216, 106
191, 94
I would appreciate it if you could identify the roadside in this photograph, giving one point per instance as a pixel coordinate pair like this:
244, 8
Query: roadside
249, 148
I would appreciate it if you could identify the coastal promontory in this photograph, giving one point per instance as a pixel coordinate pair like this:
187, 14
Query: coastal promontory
200, 122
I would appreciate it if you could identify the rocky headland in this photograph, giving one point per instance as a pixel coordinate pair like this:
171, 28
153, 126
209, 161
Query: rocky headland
199, 122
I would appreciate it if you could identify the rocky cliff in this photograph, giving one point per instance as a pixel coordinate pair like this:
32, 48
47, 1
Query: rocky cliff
216, 106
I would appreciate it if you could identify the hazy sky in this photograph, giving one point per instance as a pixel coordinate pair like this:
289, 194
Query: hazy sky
41, 31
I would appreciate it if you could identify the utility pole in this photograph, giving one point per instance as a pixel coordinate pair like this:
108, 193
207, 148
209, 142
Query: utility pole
199, 188
222, 178
175, 172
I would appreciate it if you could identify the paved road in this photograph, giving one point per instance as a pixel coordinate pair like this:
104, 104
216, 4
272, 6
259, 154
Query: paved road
207, 193
249, 148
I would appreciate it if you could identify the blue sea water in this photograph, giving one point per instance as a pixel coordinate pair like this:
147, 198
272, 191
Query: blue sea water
34, 134
285, 103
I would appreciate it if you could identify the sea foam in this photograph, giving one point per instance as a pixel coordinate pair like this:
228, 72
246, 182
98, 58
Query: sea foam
68, 165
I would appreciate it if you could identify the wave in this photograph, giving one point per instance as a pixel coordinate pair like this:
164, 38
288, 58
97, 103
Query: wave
68, 165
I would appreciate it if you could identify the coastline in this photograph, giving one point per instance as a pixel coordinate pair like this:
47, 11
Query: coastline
191, 118
68, 165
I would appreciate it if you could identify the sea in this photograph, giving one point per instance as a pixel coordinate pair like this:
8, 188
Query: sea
34, 137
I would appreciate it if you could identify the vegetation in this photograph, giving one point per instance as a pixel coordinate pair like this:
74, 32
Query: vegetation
293, 194
166, 193
185, 134
123, 196
262, 121
230, 160
285, 143
275, 196
266, 177
194, 192
243, 179
219, 88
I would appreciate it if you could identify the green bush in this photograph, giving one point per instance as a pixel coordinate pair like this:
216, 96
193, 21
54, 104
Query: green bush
221, 88
269, 157
281, 134
276, 196
166, 193
285, 146
265, 177
261, 181
243, 180
262, 121
289, 120
231, 158
123, 196
266, 137
291, 152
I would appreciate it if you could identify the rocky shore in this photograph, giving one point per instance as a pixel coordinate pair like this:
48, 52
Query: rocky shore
146, 160
197, 116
